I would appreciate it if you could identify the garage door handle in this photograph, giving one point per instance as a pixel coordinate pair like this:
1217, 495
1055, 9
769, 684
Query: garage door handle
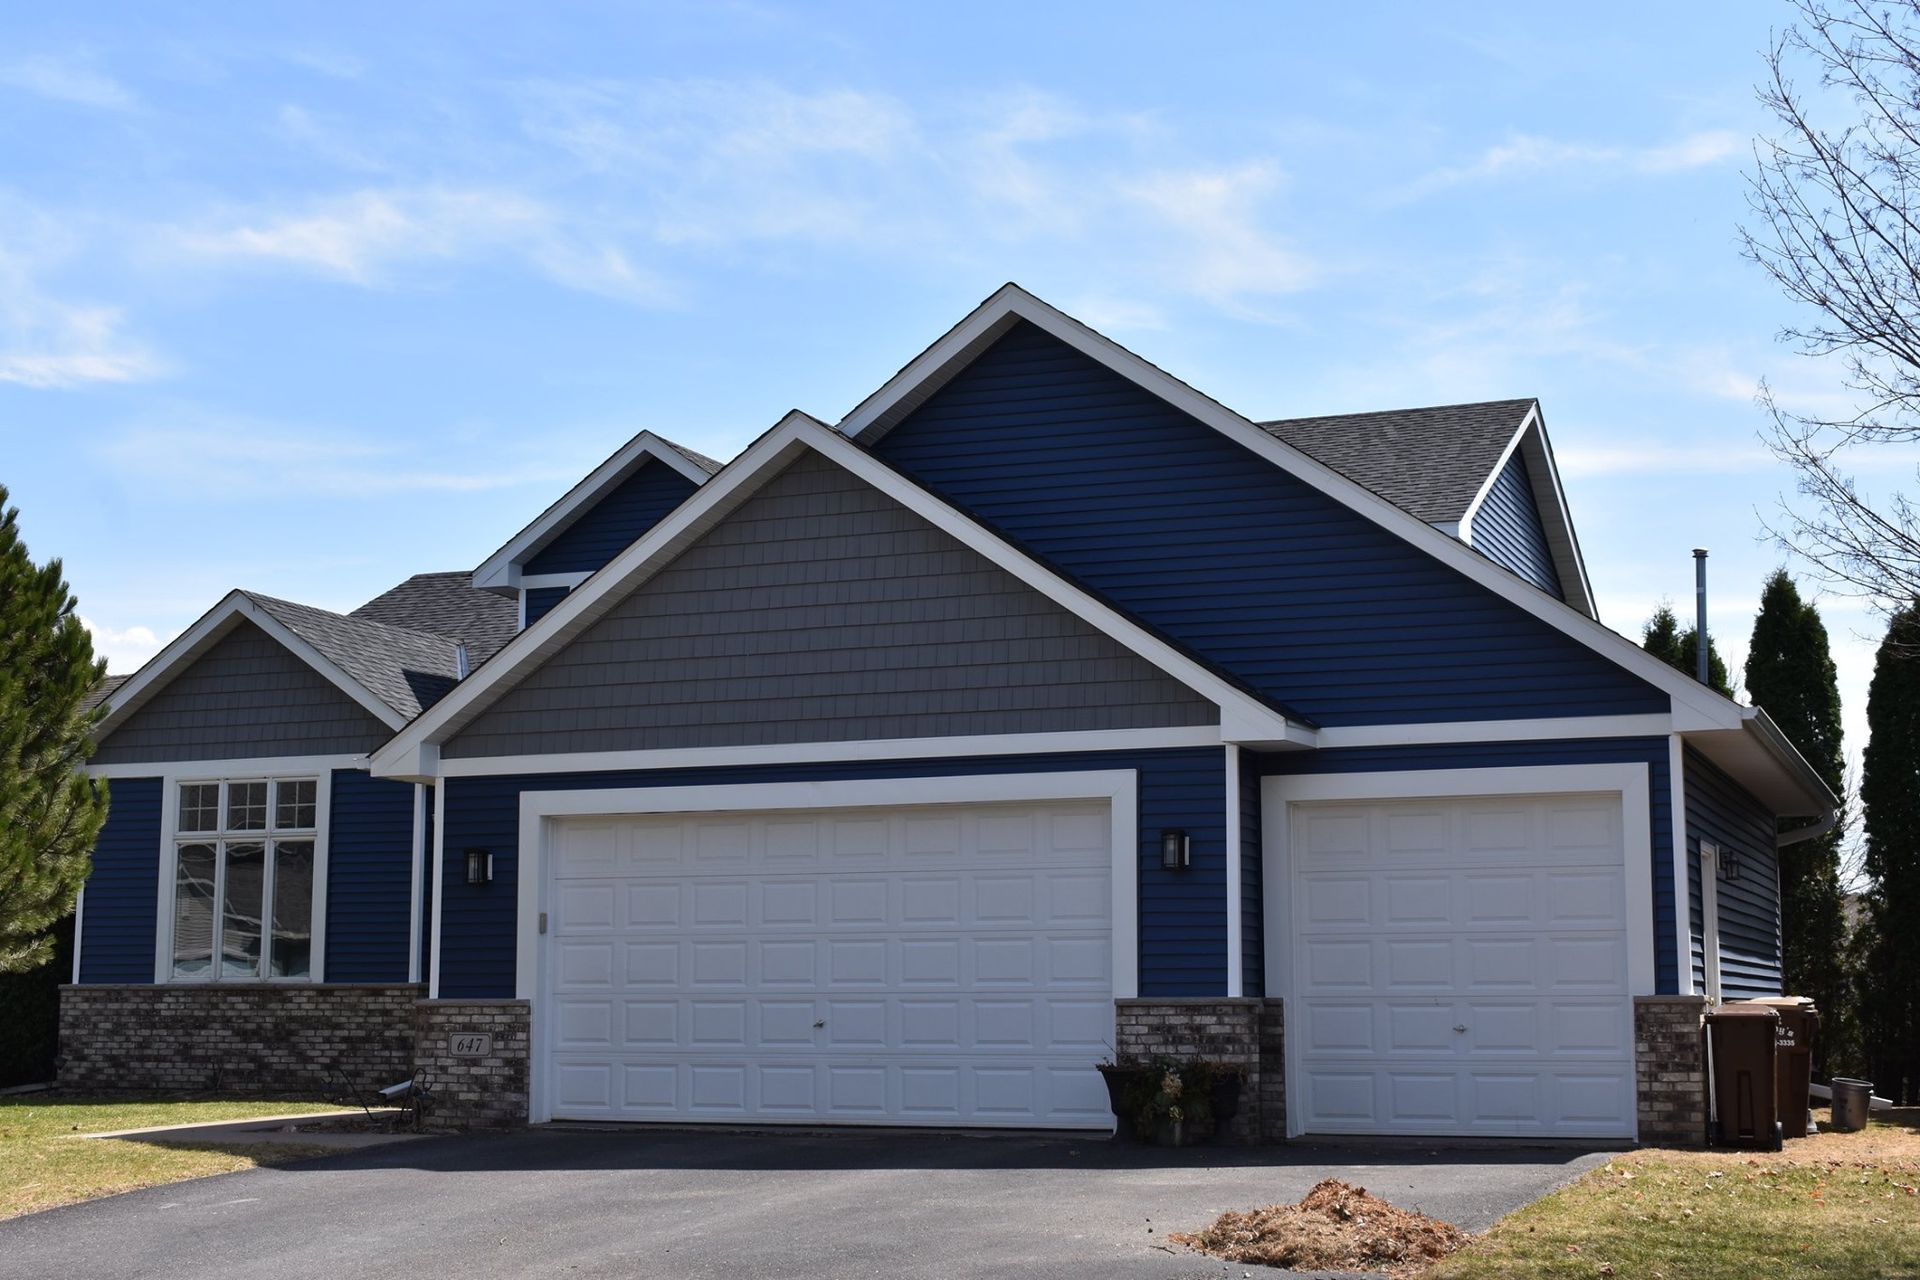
1460, 1030
820, 1024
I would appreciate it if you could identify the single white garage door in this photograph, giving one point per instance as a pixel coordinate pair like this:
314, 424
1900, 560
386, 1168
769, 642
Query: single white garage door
1460, 967
947, 965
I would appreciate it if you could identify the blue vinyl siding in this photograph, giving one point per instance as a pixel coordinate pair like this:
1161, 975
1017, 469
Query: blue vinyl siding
612, 524
1649, 751
540, 600
1182, 914
117, 926
1721, 812
1253, 951
369, 878
1508, 531
1305, 600
424, 943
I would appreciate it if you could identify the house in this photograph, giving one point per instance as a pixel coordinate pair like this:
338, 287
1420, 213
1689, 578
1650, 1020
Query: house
902, 769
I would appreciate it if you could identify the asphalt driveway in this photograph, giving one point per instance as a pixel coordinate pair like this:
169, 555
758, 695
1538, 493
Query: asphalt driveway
689, 1204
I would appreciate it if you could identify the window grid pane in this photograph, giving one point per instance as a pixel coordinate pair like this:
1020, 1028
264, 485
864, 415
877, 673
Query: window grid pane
291, 953
246, 806
294, 804
193, 910
240, 914
199, 806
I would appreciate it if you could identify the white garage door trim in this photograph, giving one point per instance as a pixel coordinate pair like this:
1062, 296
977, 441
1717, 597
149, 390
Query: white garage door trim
537, 808
1279, 793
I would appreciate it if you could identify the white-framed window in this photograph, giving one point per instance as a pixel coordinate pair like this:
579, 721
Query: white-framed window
247, 853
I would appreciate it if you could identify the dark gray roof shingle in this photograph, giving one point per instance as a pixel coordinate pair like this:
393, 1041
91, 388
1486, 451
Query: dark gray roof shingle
700, 460
1429, 462
103, 691
447, 604
407, 670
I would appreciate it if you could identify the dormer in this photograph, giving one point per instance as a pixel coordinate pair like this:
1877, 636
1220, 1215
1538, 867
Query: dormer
593, 522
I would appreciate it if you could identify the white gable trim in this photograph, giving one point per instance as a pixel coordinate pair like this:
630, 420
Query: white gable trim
413, 753
1694, 705
502, 568
213, 626
1556, 517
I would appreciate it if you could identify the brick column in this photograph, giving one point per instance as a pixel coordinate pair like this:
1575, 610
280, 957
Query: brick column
1670, 1069
1246, 1033
475, 1055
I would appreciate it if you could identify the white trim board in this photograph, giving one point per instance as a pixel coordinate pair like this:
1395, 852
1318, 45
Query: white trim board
1015, 744
1556, 518
228, 767
1243, 717
1655, 725
1631, 782
502, 568
212, 626
1682, 898
1694, 706
538, 810
1710, 975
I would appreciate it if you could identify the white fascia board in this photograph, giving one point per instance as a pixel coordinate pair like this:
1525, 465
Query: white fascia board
238, 767
878, 749
1405, 735
214, 624
1243, 717
1694, 705
501, 569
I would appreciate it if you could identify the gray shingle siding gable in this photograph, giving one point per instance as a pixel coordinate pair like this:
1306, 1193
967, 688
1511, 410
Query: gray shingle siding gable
822, 610
246, 696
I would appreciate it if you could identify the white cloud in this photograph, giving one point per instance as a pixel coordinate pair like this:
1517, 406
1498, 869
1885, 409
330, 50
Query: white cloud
369, 237
202, 457
1531, 153
49, 343
1229, 253
124, 648
67, 81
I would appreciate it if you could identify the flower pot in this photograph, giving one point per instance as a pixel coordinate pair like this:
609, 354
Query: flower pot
1120, 1082
1226, 1104
1170, 1133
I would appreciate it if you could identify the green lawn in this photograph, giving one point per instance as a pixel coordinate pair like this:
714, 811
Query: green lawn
43, 1161
1838, 1205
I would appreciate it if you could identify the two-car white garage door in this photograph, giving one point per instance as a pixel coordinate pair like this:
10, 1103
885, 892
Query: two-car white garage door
945, 965
1460, 966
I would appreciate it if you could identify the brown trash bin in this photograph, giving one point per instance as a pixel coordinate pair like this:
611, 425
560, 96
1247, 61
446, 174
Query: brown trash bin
1741, 1039
1799, 1025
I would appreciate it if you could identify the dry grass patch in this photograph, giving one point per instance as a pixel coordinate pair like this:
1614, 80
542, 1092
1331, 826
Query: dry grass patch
45, 1163
1837, 1205
1335, 1227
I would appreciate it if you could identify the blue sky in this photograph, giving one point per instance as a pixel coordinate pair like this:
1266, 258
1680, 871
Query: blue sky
305, 299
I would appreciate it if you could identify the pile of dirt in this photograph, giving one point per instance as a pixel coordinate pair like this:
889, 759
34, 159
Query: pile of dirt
1335, 1227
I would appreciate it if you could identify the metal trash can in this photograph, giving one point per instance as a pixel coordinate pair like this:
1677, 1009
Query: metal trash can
1851, 1099
1799, 1024
1741, 1039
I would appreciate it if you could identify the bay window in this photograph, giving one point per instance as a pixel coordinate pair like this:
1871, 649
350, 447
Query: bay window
243, 883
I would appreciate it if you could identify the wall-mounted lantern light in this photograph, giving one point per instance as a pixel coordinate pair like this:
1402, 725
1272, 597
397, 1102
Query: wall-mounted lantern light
479, 866
1729, 861
1175, 853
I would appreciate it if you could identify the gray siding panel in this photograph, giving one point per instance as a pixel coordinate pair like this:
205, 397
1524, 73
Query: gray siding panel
821, 611
246, 696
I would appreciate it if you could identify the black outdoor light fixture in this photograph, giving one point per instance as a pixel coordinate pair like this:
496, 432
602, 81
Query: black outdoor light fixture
479, 866
1729, 863
1174, 851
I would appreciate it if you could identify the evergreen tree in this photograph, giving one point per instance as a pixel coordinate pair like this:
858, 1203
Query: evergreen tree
1890, 808
1663, 638
1790, 674
49, 813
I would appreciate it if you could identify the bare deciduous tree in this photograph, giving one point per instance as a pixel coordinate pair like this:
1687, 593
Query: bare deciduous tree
1836, 203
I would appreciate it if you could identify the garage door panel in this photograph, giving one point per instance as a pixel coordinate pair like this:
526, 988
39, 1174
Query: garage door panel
1460, 967
946, 966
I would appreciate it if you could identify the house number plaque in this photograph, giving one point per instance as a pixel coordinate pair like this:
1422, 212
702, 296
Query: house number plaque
471, 1044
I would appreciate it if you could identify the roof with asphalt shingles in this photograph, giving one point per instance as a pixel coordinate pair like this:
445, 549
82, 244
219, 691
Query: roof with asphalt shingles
448, 604
1429, 462
408, 670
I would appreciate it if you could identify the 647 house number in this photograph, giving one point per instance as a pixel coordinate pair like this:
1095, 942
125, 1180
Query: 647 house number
470, 1044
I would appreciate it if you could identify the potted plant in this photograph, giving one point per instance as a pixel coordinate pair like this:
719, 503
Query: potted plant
1225, 1082
1178, 1106
1126, 1083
